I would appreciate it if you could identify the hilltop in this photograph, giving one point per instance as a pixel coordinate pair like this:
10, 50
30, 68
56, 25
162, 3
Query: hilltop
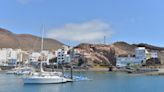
26, 41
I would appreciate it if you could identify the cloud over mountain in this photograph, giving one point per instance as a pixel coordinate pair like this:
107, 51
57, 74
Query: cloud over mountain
89, 31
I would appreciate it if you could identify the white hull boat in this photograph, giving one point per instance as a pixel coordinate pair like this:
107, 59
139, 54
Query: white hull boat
44, 77
44, 80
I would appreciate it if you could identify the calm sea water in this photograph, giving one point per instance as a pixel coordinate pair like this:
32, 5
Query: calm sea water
101, 82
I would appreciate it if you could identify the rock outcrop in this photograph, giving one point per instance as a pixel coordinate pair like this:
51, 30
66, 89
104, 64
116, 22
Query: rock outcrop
105, 54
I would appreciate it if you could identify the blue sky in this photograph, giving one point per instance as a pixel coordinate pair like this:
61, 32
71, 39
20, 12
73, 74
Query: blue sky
133, 21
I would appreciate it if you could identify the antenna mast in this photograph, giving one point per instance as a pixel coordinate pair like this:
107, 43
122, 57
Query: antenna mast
104, 39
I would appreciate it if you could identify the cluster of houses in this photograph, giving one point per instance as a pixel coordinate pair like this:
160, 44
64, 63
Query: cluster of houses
9, 56
141, 56
12, 57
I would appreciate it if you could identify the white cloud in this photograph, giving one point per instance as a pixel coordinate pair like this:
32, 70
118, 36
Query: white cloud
90, 31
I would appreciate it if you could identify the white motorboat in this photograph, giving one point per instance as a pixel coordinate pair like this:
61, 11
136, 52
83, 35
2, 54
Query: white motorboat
20, 71
11, 72
44, 79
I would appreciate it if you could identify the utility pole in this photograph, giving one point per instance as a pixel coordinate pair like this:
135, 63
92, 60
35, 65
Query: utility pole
104, 40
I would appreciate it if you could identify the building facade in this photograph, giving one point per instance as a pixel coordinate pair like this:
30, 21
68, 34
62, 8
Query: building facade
140, 55
124, 60
10, 56
63, 55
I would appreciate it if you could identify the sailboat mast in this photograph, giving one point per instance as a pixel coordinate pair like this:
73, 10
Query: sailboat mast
42, 43
42, 47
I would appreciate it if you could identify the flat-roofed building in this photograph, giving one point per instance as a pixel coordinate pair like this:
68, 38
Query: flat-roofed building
124, 60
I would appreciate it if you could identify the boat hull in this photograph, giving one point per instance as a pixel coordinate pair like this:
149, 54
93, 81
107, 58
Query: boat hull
44, 80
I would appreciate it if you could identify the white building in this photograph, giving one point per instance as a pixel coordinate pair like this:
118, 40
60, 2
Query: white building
154, 54
43, 56
123, 61
10, 56
3, 56
140, 55
62, 55
47, 55
34, 56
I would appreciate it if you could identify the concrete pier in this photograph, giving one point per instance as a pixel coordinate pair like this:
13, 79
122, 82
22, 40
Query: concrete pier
160, 72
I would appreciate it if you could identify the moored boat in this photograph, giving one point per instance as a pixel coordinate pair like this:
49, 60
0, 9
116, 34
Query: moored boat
44, 79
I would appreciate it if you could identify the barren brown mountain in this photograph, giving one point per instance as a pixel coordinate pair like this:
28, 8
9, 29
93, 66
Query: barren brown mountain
26, 41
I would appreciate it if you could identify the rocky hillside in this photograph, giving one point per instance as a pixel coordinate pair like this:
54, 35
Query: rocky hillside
105, 54
149, 46
123, 48
98, 54
26, 41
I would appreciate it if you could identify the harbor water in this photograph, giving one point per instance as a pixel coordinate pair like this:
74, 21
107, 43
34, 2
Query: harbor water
101, 82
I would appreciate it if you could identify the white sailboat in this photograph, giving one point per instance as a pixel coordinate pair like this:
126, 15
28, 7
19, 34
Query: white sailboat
44, 80
44, 77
